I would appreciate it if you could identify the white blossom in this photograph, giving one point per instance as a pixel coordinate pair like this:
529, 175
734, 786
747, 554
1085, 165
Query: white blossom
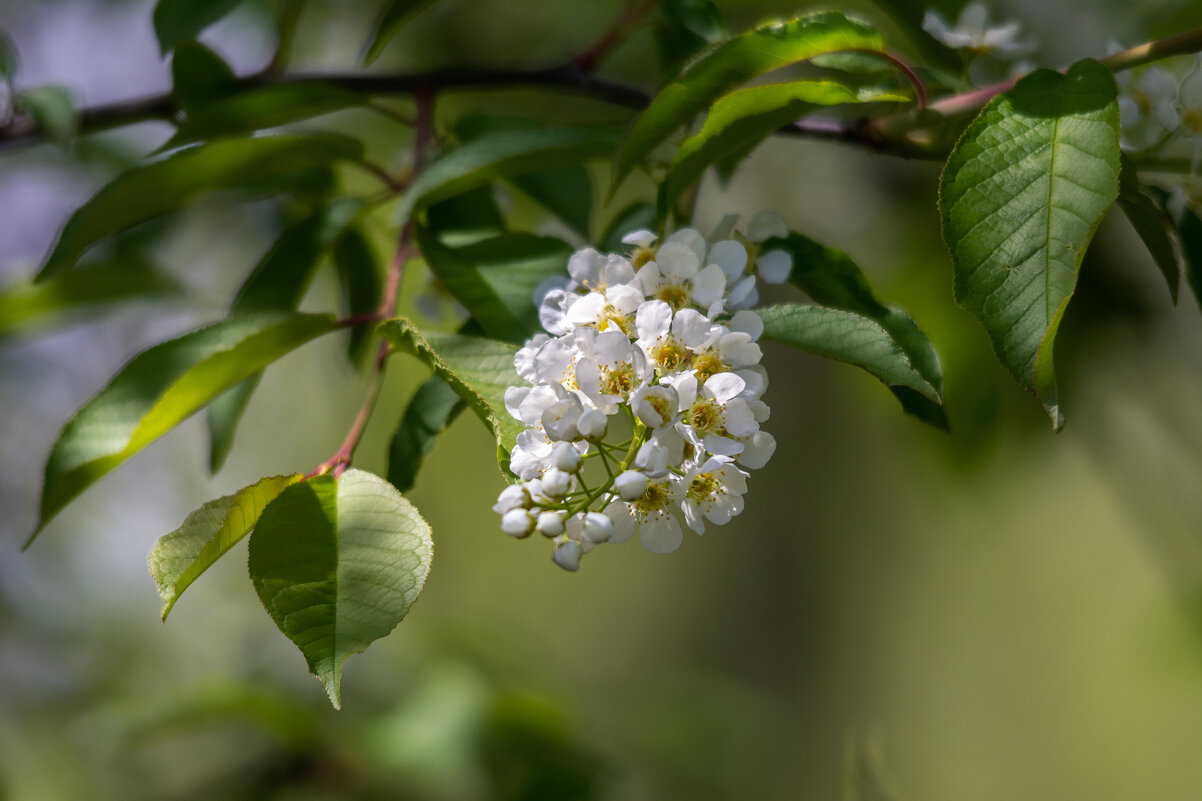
972, 32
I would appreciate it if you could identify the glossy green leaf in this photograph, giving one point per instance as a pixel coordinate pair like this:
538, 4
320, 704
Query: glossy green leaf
744, 118
506, 154
26, 306
735, 61
467, 217
199, 76
159, 389
262, 107
53, 108
846, 337
144, 193
393, 16
179, 558
177, 21
832, 279
1191, 248
1021, 197
277, 283
361, 279
1153, 224
479, 370
338, 563
431, 410
495, 278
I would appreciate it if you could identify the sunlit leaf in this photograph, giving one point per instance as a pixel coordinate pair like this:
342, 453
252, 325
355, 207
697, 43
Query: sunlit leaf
832, 279
26, 306
479, 370
160, 388
1021, 197
683, 28
846, 337
735, 61
393, 16
199, 76
433, 407
1153, 224
177, 21
338, 563
146, 192
179, 558
505, 154
495, 278
744, 118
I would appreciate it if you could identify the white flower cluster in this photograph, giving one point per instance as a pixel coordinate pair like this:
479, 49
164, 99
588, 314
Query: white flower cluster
644, 397
973, 33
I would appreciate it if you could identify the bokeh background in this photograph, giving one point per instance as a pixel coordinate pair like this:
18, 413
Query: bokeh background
994, 614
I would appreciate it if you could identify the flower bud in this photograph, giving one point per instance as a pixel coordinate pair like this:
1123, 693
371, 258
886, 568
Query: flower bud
630, 485
517, 523
512, 497
556, 483
567, 556
592, 424
597, 527
565, 457
550, 523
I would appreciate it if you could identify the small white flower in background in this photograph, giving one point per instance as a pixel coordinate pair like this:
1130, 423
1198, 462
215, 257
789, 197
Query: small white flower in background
644, 394
1147, 104
972, 32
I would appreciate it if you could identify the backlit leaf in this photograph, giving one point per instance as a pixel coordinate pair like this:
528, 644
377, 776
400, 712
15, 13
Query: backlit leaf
338, 563
1021, 197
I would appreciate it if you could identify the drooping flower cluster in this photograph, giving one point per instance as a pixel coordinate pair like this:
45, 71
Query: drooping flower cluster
643, 404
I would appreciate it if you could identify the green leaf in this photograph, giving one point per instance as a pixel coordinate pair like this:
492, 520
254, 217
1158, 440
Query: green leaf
159, 389
735, 61
495, 278
143, 193
744, 118
479, 370
1153, 224
338, 563
179, 558
199, 76
8, 58
262, 107
277, 283
361, 280
430, 412
909, 15
832, 279
505, 154
1191, 248
567, 192
177, 21
53, 108
468, 217
846, 337
1021, 197
26, 306
684, 27
393, 16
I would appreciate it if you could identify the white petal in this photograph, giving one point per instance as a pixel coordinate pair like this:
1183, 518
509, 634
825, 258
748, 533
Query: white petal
640, 238
587, 310
513, 401
653, 320
738, 418
731, 256
747, 322
724, 386
661, 534
691, 327
624, 298
709, 285
567, 556
758, 450
585, 266
774, 266
722, 446
677, 262
648, 278
622, 519
691, 239
692, 515
740, 292
617, 270
755, 378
